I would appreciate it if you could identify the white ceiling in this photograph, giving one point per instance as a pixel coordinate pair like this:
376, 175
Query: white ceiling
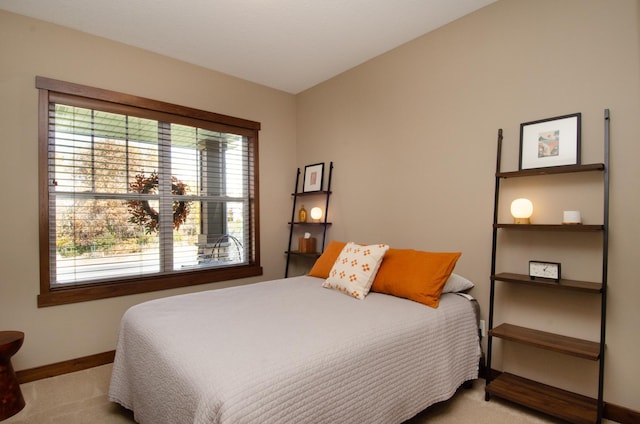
290, 45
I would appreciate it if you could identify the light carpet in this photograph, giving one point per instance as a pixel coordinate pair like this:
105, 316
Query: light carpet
81, 398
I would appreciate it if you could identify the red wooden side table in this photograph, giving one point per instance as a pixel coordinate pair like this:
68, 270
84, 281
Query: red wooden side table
11, 400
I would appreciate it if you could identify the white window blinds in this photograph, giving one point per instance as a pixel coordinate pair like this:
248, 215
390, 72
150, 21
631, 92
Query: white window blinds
138, 193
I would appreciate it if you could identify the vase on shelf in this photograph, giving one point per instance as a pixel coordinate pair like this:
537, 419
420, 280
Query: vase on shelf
302, 214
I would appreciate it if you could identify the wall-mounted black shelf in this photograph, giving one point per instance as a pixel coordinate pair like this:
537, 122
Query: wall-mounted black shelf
571, 407
318, 228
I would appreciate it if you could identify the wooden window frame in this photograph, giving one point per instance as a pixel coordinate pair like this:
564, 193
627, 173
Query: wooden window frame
93, 97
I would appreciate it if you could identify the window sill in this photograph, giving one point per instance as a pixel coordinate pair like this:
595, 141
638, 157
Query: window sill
76, 293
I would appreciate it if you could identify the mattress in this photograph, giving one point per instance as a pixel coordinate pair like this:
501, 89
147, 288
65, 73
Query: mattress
290, 351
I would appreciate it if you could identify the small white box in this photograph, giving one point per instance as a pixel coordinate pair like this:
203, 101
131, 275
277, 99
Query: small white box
572, 217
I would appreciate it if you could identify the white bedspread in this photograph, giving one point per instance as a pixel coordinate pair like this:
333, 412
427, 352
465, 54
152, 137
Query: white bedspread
290, 351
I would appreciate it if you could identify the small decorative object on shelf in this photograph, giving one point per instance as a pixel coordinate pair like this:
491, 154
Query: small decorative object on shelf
302, 214
307, 244
540, 269
550, 142
571, 218
316, 214
313, 176
521, 210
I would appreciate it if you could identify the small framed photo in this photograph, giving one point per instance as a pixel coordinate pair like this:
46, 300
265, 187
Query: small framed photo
313, 175
550, 142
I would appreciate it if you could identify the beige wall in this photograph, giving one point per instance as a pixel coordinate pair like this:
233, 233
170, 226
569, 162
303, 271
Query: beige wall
413, 137
29, 48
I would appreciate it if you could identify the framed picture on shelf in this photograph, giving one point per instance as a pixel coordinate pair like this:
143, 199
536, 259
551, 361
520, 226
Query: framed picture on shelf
550, 142
313, 175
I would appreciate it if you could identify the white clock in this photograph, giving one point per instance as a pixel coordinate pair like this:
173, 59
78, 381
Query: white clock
540, 269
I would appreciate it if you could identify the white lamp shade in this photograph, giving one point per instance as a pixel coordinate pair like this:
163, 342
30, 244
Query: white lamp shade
521, 208
316, 213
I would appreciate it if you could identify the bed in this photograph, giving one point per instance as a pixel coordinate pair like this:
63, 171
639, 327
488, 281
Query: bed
291, 351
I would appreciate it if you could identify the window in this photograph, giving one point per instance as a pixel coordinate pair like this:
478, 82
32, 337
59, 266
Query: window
138, 195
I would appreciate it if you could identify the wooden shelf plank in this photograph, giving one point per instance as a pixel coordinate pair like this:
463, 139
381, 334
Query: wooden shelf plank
552, 227
576, 285
552, 170
559, 403
308, 255
554, 342
311, 193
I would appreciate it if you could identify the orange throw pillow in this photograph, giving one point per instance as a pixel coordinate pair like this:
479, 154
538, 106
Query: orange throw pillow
415, 275
325, 262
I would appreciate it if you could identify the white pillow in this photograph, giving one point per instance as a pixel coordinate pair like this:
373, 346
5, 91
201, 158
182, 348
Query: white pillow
356, 267
456, 283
